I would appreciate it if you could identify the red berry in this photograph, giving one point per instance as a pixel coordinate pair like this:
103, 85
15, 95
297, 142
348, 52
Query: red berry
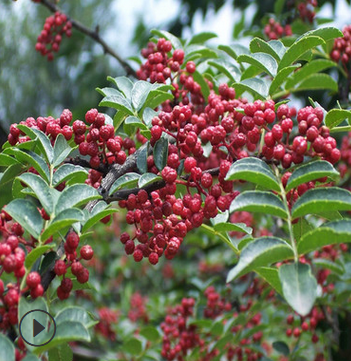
60, 268
72, 240
87, 252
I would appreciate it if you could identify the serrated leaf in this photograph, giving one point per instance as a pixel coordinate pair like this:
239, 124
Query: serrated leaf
298, 48
135, 122
205, 89
27, 215
314, 66
7, 349
230, 227
328, 233
260, 252
124, 84
106, 92
281, 77
161, 153
33, 255
311, 171
227, 68
301, 227
68, 172
234, 50
255, 86
61, 150
258, 201
125, 180
257, 45
30, 158
263, 61
330, 265
6, 182
41, 190
64, 219
100, 211
316, 82
6, 160
117, 102
278, 47
336, 116
74, 196
74, 313
319, 200
148, 178
148, 115
44, 142
156, 98
140, 92
61, 353
253, 170
271, 276
299, 286
200, 38
326, 33
142, 159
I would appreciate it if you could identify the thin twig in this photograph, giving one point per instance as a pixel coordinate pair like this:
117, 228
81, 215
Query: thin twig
94, 34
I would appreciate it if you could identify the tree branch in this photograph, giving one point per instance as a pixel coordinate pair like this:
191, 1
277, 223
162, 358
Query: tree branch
84, 163
94, 35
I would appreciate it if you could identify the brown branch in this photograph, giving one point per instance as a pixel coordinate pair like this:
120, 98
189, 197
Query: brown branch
84, 163
94, 34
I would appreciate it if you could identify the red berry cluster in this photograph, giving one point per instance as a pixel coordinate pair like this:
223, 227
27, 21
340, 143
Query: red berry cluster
107, 318
50, 38
345, 150
77, 269
216, 305
306, 10
341, 51
162, 65
138, 308
274, 30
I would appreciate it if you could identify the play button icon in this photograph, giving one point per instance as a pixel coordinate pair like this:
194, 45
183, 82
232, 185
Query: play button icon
37, 327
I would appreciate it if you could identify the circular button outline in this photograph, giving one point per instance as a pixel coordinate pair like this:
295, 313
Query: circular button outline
32, 344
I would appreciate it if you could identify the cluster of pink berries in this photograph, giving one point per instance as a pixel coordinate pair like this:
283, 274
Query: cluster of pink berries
274, 30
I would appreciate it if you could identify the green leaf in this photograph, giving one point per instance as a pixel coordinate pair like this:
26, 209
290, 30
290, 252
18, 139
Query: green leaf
260, 252
250, 72
258, 201
65, 218
140, 92
67, 331
124, 84
301, 227
44, 142
74, 313
328, 233
314, 66
61, 353
133, 346
257, 45
68, 172
27, 215
106, 92
148, 115
128, 179
117, 102
75, 195
330, 265
311, 171
142, 159
263, 61
31, 357
281, 77
299, 286
322, 200
202, 37
135, 122
298, 48
278, 47
161, 153
33, 255
156, 98
326, 33
147, 179
230, 227
6, 160
271, 276
198, 51
255, 86
281, 347
336, 116
253, 170
316, 82
6, 182
168, 36
226, 68
41, 190
61, 150
32, 159
100, 211
150, 333
7, 350
205, 89
235, 50
278, 8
